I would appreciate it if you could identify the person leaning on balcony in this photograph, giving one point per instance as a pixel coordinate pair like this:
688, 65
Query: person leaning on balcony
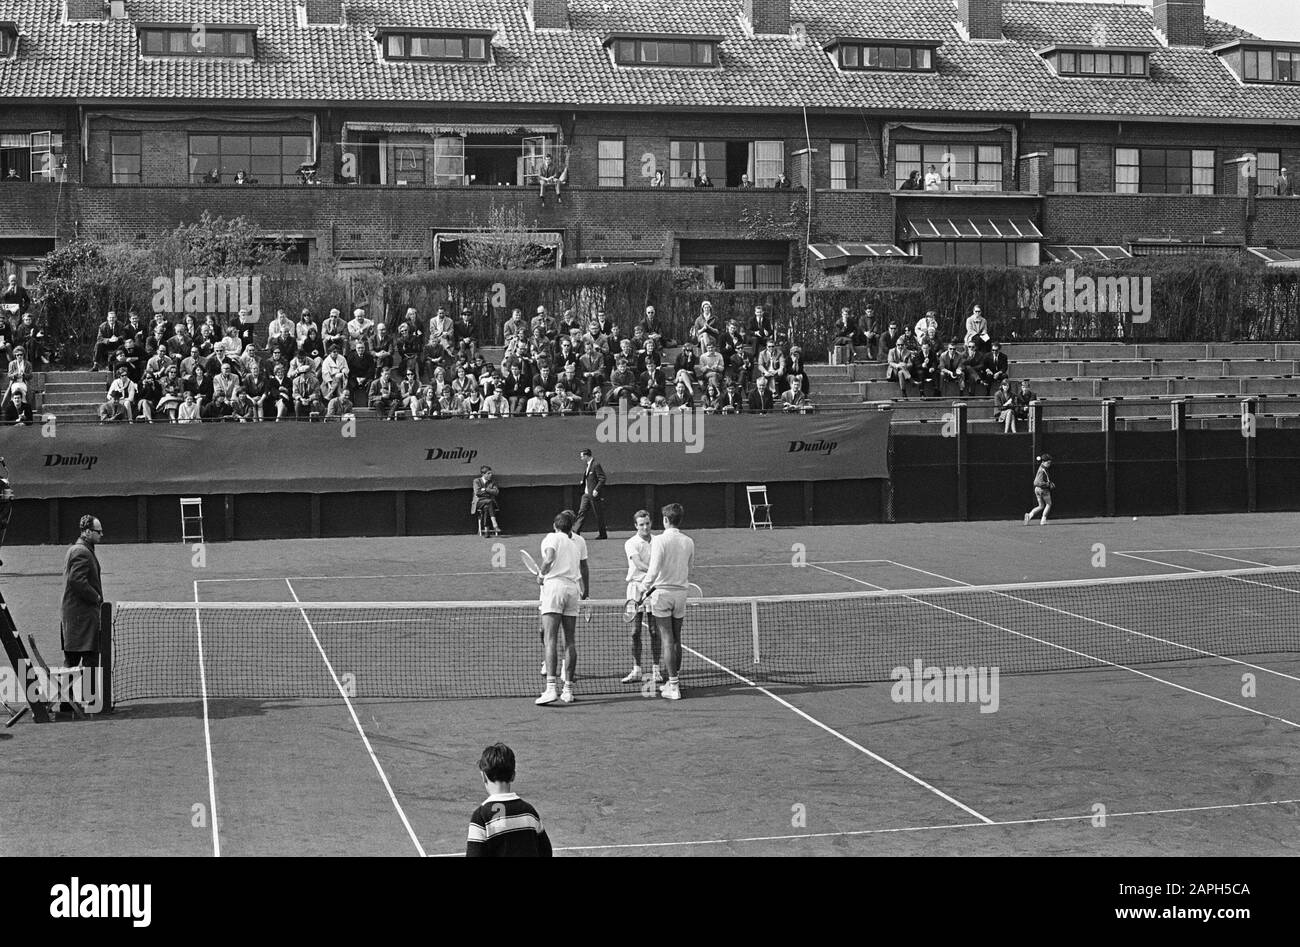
782, 182
933, 180
913, 183
659, 180
745, 181
703, 179
1284, 186
550, 175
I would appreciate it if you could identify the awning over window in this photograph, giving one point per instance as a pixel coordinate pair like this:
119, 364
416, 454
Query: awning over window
448, 129
1088, 254
849, 252
539, 239
972, 228
1275, 257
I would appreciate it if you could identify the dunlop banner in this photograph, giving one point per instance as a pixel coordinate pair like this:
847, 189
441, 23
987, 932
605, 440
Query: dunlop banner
84, 460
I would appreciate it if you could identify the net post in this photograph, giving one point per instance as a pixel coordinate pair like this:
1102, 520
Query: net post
753, 621
106, 655
1178, 422
959, 412
1036, 427
1108, 437
887, 484
1249, 431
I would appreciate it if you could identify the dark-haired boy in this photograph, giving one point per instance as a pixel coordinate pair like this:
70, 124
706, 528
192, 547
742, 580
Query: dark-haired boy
504, 826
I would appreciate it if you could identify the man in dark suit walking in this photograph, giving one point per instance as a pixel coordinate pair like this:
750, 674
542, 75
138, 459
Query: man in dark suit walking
593, 500
82, 597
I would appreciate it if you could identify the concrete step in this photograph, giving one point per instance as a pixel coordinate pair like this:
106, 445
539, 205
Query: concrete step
1259, 368
70, 398
59, 377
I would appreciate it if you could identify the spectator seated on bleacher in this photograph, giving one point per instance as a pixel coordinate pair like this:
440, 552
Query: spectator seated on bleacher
733, 398
795, 370
925, 370
761, 399
794, 398
997, 362
927, 327
20, 367
16, 409
108, 341
1004, 406
977, 329
977, 377
1024, 397
844, 337
950, 371
385, 397
114, 409
900, 364
218, 409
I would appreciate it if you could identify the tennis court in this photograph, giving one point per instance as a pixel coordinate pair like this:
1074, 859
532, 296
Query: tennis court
1121, 724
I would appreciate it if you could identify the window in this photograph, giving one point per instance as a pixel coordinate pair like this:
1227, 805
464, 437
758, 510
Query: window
690, 159
758, 276
8, 40
1267, 164
186, 41
408, 164
871, 56
844, 165
439, 47
126, 158
1065, 169
1270, 65
1078, 62
769, 162
449, 160
1164, 171
665, 52
977, 253
264, 159
964, 167
610, 159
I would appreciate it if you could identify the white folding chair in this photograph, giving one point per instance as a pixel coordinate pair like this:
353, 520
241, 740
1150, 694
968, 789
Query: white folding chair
192, 519
760, 511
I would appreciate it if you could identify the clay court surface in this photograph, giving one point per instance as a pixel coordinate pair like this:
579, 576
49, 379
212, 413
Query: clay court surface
1181, 761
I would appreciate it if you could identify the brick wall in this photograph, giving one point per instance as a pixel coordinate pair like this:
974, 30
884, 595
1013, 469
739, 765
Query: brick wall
550, 14
982, 18
34, 209
1277, 221
1109, 218
855, 215
769, 16
324, 11
1182, 21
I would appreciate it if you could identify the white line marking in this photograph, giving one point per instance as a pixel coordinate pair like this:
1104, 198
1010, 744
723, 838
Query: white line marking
361, 730
1091, 657
1217, 549
911, 828
839, 736
849, 577
207, 730
1213, 555
1157, 562
904, 565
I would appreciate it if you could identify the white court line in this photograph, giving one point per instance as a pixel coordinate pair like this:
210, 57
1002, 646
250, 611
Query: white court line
1090, 657
361, 730
1157, 562
911, 828
442, 575
839, 736
1217, 549
904, 565
1249, 562
207, 730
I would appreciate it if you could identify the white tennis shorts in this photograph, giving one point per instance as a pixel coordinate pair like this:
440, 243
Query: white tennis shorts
559, 596
634, 593
666, 603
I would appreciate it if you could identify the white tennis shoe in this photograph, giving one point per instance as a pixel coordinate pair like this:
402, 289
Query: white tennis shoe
566, 695
670, 692
635, 675
549, 696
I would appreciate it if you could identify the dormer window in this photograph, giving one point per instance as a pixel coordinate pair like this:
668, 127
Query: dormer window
1099, 61
436, 45
634, 50
220, 42
1271, 62
8, 39
884, 55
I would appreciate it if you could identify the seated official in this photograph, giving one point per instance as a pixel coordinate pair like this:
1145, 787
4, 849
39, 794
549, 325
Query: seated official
486, 492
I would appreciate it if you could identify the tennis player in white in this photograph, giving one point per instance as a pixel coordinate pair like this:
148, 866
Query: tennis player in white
669, 573
565, 582
637, 549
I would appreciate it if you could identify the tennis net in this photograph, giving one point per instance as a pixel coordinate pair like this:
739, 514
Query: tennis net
436, 650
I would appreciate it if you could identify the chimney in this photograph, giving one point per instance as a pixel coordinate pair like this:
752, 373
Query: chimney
1181, 22
324, 12
769, 17
549, 14
79, 10
981, 18
117, 10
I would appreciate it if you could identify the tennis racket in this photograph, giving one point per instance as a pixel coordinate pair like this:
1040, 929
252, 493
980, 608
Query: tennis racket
530, 563
633, 605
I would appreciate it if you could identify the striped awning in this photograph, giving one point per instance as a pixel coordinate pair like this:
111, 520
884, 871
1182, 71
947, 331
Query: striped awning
1075, 253
972, 228
1276, 257
848, 252
448, 128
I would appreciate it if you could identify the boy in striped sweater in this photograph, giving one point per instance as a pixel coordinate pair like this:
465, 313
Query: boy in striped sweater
504, 826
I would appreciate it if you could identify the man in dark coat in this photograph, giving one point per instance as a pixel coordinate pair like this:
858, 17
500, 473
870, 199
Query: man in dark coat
82, 597
593, 499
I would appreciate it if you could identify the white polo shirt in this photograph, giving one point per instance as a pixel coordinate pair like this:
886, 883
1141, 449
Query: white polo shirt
569, 551
638, 557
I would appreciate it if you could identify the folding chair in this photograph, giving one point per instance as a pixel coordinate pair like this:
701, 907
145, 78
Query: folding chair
192, 519
760, 511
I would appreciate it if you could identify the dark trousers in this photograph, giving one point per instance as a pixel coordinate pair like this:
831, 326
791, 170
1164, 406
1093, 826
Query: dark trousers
588, 506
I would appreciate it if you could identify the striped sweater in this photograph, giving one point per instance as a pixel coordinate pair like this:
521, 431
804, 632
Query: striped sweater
505, 826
